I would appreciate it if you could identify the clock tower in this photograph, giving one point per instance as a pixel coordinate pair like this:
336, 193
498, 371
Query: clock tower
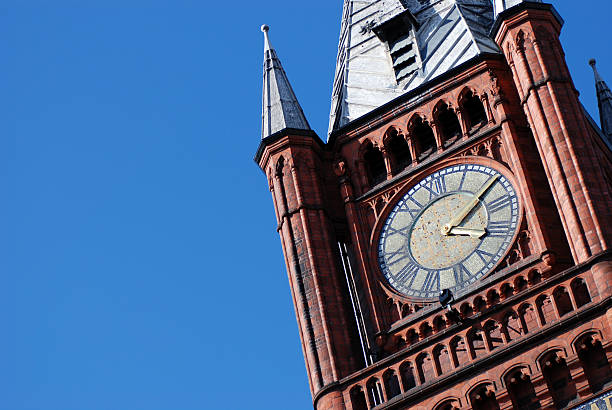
448, 244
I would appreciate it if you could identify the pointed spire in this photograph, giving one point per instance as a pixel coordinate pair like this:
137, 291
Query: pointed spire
281, 108
604, 99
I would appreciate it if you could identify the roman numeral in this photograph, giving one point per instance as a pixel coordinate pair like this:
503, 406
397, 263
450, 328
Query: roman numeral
436, 187
461, 273
498, 229
485, 256
432, 282
499, 204
408, 272
403, 231
462, 180
400, 255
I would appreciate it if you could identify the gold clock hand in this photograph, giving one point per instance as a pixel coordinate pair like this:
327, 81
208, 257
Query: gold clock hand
470, 205
474, 233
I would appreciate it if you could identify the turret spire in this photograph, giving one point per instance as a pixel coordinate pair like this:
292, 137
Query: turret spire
604, 99
281, 109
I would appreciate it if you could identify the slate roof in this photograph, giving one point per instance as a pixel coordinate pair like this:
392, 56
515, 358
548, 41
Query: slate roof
448, 33
281, 109
604, 99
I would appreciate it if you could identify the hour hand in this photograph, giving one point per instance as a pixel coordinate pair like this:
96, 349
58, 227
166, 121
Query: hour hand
474, 233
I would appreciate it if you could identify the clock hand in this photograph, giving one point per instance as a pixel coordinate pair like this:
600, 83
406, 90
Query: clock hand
470, 205
474, 233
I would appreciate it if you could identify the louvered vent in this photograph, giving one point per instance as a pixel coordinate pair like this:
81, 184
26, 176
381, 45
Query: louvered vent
398, 33
404, 55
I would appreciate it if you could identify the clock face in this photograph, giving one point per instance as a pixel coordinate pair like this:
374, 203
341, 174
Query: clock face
448, 231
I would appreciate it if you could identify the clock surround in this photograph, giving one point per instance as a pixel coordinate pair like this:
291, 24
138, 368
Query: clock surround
416, 258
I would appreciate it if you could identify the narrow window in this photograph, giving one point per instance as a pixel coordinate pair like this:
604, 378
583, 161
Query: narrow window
448, 124
474, 110
424, 137
375, 163
400, 151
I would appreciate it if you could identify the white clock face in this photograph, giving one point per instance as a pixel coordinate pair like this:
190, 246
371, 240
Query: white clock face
448, 231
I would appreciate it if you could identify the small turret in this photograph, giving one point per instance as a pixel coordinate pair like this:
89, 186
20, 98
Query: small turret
281, 109
604, 100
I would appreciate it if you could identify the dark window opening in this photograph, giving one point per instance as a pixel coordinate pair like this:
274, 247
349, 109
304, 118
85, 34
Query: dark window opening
424, 137
400, 151
474, 110
449, 125
581, 292
375, 163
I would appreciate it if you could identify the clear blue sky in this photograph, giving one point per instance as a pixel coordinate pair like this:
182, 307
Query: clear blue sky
140, 264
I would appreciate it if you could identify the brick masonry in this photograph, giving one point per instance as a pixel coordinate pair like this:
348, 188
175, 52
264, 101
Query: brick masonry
535, 332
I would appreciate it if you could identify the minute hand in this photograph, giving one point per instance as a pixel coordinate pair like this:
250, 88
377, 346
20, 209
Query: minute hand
469, 206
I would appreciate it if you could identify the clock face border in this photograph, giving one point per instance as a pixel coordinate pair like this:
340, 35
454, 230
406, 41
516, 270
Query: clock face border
415, 180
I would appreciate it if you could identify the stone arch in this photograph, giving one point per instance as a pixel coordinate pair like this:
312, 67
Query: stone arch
472, 108
374, 388
439, 323
476, 343
512, 326
447, 122
493, 331
563, 302
425, 368
580, 292
482, 396
407, 376
412, 336
506, 291
534, 277
459, 351
391, 384
425, 330
358, 399
398, 148
452, 403
545, 308
520, 389
466, 310
479, 304
442, 359
492, 297
593, 360
527, 316
557, 377
374, 161
423, 136
520, 284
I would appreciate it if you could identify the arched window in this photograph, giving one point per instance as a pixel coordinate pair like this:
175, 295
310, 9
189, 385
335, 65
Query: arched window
392, 387
424, 137
594, 362
442, 360
494, 334
558, 378
521, 390
474, 110
459, 351
512, 326
477, 343
425, 330
358, 399
398, 147
449, 404
375, 392
527, 315
425, 368
562, 301
580, 292
448, 124
375, 164
412, 337
407, 375
546, 311
520, 284
483, 398
479, 304
439, 323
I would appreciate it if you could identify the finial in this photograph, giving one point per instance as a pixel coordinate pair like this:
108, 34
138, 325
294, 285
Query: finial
264, 29
592, 62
